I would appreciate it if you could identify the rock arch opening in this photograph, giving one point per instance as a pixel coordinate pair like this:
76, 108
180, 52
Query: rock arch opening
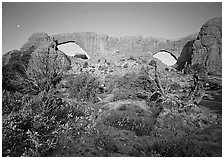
74, 50
166, 57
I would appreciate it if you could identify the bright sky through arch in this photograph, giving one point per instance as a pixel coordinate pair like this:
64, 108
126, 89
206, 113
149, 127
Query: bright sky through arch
166, 58
71, 49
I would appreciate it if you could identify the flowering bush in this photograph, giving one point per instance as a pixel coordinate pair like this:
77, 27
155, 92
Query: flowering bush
39, 126
131, 85
84, 87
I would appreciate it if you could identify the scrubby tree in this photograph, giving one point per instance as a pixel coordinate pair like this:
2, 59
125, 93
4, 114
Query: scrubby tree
45, 68
157, 80
199, 73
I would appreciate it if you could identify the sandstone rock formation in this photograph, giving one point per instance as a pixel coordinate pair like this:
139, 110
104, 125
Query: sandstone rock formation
185, 56
95, 45
208, 46
108, 47
99, 45
36, 39
39, 54
205, 50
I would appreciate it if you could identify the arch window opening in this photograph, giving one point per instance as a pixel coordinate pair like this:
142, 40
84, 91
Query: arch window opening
72, 49
165, 57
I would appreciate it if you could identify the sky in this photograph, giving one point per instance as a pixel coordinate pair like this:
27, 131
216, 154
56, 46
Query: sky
165, 58
71, 49
169, 20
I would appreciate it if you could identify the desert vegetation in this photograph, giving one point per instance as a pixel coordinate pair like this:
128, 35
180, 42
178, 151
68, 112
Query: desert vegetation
141, 109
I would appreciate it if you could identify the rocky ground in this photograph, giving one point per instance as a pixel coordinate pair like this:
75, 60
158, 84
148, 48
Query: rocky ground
126, 107
131, 121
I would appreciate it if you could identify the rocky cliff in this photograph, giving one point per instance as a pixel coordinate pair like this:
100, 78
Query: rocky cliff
100, 45
206, 49
208, 46
103, 46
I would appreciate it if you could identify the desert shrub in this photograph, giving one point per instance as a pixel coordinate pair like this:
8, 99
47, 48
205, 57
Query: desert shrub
84, 87
14, 138
124, 94
22, 55
110, 81
11, 74
118, 120
29, 132
45, 69
197, 68
14, 72
178, 148
136, 81
41, 125
131, 85
12, 102
107, 143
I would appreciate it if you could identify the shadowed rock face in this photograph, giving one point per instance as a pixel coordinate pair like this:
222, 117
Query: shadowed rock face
81, 56
185, 56
208, 47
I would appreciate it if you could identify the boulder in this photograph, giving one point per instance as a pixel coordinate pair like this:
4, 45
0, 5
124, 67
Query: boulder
44, 57
208, 46
38, 54
14, 65
205, 50
36, 39
136, 116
